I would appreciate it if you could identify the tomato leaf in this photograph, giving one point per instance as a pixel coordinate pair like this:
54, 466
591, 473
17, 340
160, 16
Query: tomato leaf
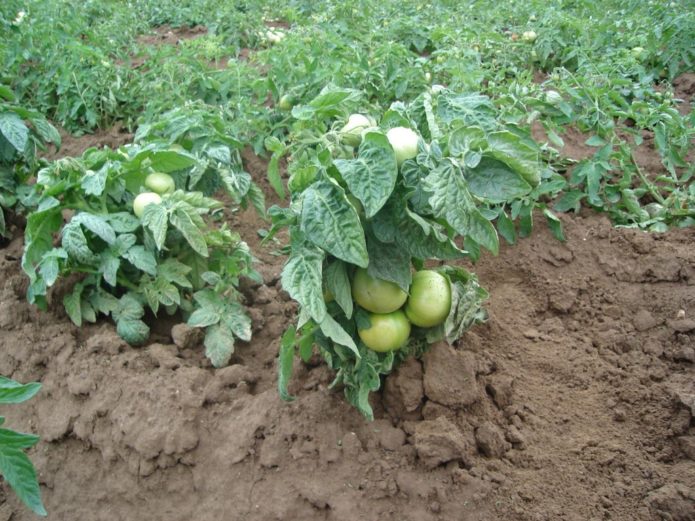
338, 283
331, 222
452, 201
494, 181
14, 130
18, 470
372, 176
302, 277
517, 153
14, 392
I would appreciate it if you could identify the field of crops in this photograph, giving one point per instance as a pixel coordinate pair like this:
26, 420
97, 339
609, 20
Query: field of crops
324, 260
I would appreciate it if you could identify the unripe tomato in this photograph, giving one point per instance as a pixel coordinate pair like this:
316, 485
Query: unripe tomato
142, 200
387, 332
429, 302
376, 295
351, 133
160, 183
404, 142
286, 103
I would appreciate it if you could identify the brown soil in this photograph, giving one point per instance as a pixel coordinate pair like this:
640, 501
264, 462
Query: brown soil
167, 35
74, 146
574, 402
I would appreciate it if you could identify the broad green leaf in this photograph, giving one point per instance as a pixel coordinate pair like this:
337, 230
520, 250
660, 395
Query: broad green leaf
274, 177
335, 332
183, 221
50, 265
555, 225
135, 332
389, 261
72, 302
38, 238
167, 293
473, 109
6, 93
238, 322
219, 344
452, 201
517, 153
124, 222
14, 130
142, 259
108, 267
569, 201
365, 380
495, 181
338, 283
14, 392
505, 226
167, 161
46, 131
203, 317
94, 183
372, 176
129, 308
175, 271
19, 472
155, 219
465, 139
97, 225
302, 278
75, 243
123, 243
331, 222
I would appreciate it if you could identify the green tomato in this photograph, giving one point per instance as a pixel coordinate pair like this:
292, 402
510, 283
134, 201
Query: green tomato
404, 142
376, 295
160, 183
142, 200
387, 332
286, 103
429, 302
637, 52
351, 133
553, 97
529, 36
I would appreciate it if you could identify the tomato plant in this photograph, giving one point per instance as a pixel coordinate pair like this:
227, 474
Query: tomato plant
23, 133
168, 256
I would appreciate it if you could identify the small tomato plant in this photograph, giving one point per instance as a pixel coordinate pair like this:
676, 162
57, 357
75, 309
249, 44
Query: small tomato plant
436, 180
167, 255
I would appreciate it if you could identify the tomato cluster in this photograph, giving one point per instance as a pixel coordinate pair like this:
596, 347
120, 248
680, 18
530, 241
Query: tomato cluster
392, 310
